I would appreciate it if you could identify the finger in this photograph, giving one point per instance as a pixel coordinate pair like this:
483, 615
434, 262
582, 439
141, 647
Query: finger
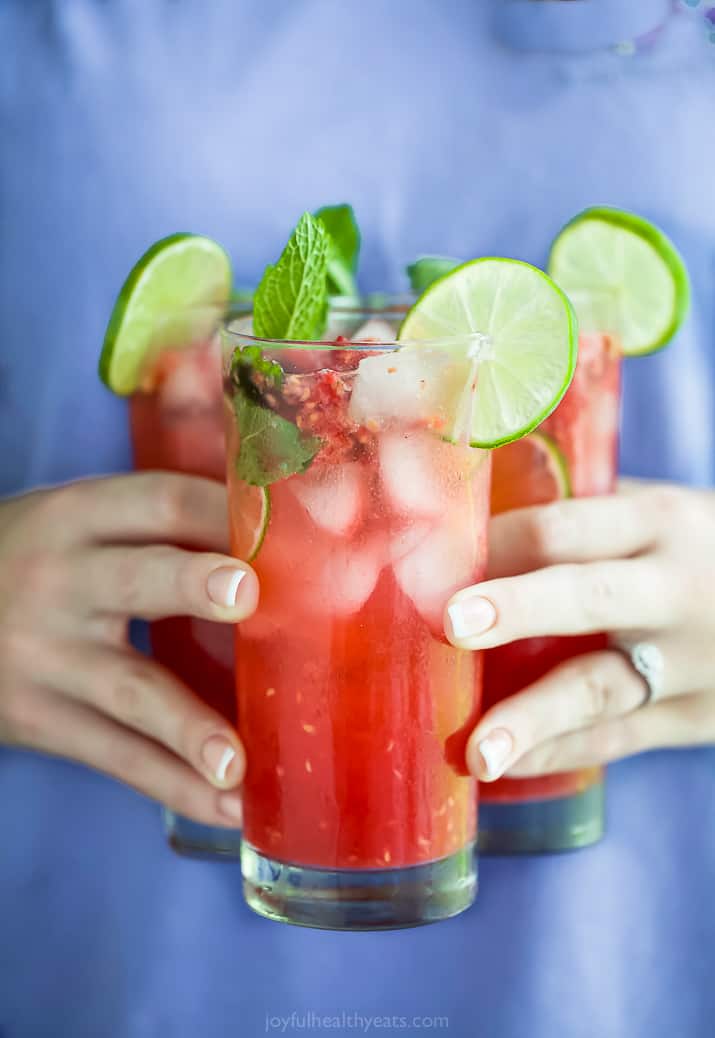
687, 720
143, 696
142, 506
579, 693
630, 594
576, 530
57, 725
158, 581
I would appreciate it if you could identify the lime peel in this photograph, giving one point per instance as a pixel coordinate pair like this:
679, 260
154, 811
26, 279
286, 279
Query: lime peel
624, 276
559, 465
529, 345
532, 471
174, 296
262, 524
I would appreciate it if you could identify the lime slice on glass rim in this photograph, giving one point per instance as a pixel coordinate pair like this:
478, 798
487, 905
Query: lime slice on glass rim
530, 471
623, 276
516, 332
173, 296
250, 521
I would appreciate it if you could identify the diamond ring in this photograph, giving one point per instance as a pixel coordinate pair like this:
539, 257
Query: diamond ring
647, 659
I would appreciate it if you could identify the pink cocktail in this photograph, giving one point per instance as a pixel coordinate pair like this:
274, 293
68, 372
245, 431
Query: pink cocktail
354, 710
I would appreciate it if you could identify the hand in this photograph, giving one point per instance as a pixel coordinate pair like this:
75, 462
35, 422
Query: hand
639, 565
75, 564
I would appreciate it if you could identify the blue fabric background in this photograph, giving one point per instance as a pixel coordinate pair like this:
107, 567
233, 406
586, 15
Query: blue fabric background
123, 121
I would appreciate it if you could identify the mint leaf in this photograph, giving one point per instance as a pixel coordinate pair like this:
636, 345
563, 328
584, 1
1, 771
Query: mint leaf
427, 269
343, 248
291, 300
249, 359
271, 447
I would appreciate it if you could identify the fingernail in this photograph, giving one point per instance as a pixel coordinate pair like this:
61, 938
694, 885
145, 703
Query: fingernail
229, 804
471, 616
223, 584
494, 750
218, 754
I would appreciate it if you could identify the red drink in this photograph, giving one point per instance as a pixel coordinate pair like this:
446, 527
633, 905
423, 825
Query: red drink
584, 428
177, 419
177, 424
353, 708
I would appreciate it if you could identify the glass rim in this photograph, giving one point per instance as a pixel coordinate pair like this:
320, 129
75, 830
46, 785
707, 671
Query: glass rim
396, 304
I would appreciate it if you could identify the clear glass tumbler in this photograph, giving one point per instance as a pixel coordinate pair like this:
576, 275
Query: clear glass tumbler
360, 519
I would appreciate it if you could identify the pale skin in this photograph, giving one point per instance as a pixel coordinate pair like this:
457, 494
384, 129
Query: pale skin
78, 561
639, 565
75, 564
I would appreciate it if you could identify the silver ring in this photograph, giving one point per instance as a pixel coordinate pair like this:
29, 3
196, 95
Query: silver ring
647, 659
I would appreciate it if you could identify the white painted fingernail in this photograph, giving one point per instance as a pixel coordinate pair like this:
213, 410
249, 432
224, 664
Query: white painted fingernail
471, 616
217, 755
228, 754
494, 750
222, 585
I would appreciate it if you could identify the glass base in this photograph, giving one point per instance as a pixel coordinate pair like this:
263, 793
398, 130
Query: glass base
533, 826
201, 841
359, 899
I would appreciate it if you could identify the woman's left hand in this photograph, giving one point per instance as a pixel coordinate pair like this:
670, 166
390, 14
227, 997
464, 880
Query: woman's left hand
639, 565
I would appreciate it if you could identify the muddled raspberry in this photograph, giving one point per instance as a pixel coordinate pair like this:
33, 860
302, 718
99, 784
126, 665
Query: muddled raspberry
295, 390
319, 402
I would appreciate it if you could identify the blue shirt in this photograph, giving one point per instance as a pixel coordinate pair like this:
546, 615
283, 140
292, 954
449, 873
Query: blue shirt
457, 127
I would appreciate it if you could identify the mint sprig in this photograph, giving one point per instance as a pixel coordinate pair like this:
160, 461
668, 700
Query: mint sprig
270, 447
248, 362
427, 269
291, 301
343, 248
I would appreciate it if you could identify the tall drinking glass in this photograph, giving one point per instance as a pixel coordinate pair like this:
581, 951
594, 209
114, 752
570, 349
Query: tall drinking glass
177, 424
565, 810
360, 521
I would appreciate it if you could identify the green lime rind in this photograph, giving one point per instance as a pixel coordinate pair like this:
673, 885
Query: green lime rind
558, 463
648, 303
173, 295
262, 528
532, 332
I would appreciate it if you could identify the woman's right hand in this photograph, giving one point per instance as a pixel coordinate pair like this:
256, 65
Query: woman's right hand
76, 563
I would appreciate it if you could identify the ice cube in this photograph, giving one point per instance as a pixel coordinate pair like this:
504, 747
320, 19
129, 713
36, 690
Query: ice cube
411, 472
342, 580
441, 563
333, 496
192, 382
407, 536
410, 384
